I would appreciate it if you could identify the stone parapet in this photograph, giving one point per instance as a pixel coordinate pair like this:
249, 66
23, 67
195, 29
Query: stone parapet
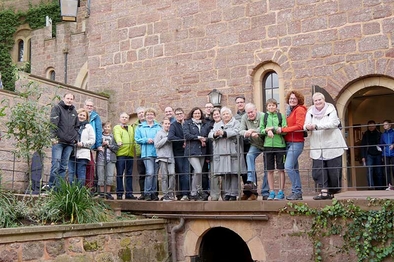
137, 241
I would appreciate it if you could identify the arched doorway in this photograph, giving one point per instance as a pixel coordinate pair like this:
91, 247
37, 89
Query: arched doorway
220, 244
366, 99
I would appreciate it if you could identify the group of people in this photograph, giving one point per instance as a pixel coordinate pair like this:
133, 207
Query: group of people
201, 154
377, 152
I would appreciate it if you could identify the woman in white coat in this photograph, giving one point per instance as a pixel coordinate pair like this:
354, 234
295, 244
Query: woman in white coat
81, 156
227, 154
327, 146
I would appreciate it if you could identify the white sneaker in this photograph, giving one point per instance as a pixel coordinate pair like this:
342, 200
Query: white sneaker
185, 198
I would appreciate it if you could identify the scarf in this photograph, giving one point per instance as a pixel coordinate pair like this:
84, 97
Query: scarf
81, 128
319, 114
197, 123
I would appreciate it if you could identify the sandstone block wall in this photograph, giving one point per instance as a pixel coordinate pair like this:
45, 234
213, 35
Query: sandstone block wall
132, 241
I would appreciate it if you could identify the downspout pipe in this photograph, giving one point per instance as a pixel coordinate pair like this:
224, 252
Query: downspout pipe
65, 52
174, 230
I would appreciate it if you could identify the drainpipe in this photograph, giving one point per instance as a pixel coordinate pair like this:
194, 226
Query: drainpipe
65, 52
174, 230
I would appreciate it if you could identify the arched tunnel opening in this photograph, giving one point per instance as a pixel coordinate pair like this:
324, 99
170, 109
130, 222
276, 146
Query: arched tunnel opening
220, 244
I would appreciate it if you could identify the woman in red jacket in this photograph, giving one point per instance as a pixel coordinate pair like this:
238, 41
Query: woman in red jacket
294, 141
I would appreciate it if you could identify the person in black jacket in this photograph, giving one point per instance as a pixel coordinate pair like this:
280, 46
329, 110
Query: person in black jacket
196, 130
64, 135
175, 135
372, 156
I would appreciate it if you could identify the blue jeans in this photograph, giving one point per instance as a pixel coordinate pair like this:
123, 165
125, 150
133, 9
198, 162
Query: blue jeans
124, 163
60, 157
182, 167
152, 169
251, 156
294, 150
78, 167
377, 170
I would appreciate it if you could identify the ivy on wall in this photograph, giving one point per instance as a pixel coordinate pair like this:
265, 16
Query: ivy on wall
369, 231
9, 22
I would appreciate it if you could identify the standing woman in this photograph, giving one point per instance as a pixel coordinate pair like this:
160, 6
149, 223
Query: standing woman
227, 157
144, 136
81, 157
327, 146
294, 141
196, 130
215, 178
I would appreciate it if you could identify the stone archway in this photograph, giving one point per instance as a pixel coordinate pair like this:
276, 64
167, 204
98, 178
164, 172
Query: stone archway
83, 77
364, 99
220, 244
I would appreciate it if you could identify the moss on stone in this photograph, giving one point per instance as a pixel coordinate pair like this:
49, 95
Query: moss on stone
125, 254
125, 242
161, 253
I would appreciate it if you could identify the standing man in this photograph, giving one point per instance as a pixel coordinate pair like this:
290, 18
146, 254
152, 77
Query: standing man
124, 137
64, 135
175, 135
95, 122
372, 156
140, 163
206, 169
240, 105
387, 142
250, 130
169, 112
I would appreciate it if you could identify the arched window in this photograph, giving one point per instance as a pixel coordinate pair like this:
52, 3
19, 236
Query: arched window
52, 75
21, 50
268, 83
270, 88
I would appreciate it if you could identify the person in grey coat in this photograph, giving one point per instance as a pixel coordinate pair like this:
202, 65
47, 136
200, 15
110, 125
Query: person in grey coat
165, 158
227, 157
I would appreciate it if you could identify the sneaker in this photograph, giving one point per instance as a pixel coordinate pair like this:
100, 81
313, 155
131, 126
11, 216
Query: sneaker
141, 197
264, 197
148, 197
185, 198
271, 196
167, 199
294, 196
119, 197
280, 195
226, 198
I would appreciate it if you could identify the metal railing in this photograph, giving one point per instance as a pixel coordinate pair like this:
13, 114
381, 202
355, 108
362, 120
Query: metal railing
354, 172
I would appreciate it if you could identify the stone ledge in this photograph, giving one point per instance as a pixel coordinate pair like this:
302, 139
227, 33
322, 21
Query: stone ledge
23, 234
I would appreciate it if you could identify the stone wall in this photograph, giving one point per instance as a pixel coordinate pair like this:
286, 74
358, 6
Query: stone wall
132, 241
156, 53
14, 170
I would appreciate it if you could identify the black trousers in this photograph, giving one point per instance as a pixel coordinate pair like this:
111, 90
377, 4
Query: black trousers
327, 174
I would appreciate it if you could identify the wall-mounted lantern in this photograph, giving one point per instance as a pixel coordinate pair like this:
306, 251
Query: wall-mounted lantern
69, 10
215, 97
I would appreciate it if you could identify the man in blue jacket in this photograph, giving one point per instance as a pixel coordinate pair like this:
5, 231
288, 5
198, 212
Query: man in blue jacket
387, 143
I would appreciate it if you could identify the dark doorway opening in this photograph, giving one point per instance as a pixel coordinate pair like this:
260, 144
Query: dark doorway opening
223, 245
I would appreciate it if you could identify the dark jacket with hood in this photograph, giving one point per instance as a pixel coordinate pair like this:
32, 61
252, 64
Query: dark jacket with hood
66, 124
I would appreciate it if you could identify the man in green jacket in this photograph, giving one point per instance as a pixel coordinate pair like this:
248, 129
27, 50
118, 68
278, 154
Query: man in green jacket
124, 137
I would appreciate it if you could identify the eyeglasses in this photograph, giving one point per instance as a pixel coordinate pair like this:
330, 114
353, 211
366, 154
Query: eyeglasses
240, 102
209, 107
178, 114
